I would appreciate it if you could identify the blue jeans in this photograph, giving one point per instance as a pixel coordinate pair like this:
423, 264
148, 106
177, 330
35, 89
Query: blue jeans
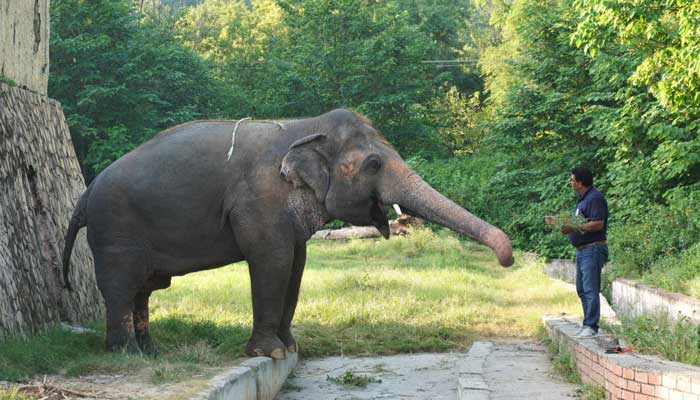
589, 264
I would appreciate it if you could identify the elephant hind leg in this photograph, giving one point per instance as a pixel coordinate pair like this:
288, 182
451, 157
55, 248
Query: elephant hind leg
120, 325
119, 274
141, 318
143, 337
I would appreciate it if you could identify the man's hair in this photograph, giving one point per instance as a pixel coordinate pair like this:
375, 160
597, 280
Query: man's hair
583, 175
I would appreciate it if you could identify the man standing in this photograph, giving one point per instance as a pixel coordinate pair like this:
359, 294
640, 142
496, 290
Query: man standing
591, 248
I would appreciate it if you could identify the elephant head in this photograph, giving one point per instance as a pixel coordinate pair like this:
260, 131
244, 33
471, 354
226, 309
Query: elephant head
354, 172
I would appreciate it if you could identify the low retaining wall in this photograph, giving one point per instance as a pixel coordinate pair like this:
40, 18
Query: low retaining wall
628, 376
258, 378
632, 299
565, 271
562, 269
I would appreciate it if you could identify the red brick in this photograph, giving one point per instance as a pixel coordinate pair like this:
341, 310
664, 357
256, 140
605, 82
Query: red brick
639, 396
689, 396
598, 378
583, 361
597, 367
634, 386
627, 395
641, 377
622, 382
609, 375
589, 354
654, 379
616, 369
628, 373
647, 389
612, 388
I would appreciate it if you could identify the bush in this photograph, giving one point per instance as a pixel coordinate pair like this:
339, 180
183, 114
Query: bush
655, 232
515, 200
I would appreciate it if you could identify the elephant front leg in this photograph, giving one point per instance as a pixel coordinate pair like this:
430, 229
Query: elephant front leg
269, 275
290, 304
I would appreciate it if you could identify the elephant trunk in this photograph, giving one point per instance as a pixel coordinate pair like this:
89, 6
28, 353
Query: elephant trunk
418, 198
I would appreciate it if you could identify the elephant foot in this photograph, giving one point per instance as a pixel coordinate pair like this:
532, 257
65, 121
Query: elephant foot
123, 346
262, 347
288, 340
146, 345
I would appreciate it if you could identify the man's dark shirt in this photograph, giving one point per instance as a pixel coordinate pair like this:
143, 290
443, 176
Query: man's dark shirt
593, 207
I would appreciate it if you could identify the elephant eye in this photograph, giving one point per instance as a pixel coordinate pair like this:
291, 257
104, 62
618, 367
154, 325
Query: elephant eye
372, 164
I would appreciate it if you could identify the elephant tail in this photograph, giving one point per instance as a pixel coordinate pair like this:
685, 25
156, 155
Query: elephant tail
77, 221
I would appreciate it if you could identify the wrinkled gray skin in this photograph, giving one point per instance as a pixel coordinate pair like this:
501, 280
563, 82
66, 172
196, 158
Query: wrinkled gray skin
175, 205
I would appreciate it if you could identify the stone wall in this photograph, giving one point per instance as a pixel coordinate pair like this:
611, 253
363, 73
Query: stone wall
40, 182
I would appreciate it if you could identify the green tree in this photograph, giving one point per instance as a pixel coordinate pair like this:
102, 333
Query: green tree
121, 80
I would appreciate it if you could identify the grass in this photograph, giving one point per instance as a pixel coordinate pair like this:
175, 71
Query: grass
565, 364
676, 341
425, 292
349, 378
14, 394
678, 273
11, 83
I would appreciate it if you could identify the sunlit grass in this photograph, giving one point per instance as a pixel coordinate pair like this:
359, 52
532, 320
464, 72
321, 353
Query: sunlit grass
425, 292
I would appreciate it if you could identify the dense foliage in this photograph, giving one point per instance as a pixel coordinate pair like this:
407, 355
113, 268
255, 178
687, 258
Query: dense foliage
541, 86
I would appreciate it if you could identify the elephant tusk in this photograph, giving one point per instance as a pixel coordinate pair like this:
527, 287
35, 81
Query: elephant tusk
397, 209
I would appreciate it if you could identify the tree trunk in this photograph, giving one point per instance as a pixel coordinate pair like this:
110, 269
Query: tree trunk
40, 182
24, 43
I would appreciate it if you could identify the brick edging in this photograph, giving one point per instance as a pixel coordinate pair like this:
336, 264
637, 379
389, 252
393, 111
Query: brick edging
628, 376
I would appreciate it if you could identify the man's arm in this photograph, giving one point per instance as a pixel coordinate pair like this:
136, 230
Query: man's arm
590, 226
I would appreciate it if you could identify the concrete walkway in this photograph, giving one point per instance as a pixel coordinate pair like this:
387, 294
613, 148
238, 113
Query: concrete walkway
509, 369
521, 370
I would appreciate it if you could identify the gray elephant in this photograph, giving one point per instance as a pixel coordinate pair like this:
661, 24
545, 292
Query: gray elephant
178, 204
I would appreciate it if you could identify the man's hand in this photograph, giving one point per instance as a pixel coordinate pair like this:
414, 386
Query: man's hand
566, 229
550, 219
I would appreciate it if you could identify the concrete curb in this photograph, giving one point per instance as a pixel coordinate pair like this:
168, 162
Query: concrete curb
627, 375
471, 384
258, 378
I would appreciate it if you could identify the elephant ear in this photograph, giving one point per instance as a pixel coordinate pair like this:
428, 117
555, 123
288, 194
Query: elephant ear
305, 164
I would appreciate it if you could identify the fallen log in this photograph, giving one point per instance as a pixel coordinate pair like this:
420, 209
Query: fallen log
400, 226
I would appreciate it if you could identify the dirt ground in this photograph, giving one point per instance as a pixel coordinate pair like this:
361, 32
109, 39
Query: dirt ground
113, 387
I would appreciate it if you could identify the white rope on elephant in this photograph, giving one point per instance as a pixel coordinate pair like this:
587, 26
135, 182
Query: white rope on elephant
235, 129
233, 137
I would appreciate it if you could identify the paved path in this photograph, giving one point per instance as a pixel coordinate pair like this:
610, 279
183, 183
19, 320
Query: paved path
522, 370
511, 369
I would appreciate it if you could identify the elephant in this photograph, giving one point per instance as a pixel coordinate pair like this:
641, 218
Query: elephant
178, 204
